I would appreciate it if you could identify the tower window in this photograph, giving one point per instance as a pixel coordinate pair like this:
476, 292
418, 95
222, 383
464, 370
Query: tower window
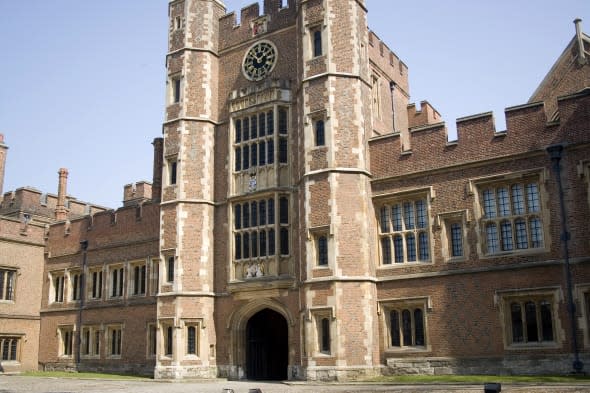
176, 90
320, 139
317, 42
170, 270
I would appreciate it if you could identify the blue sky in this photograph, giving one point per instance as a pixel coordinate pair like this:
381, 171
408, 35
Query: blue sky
82, 82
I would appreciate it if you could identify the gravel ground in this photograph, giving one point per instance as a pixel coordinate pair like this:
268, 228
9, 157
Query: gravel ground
19, 384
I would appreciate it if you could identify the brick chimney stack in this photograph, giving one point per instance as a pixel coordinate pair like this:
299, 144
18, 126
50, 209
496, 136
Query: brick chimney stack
158, 164
61, 212
3, 149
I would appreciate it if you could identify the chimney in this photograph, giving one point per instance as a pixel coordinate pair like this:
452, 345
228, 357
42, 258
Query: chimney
61, 212
3, 149
581, 52
158, 166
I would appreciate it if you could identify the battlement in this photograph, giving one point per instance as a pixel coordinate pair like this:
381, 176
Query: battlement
137, 193
41, 206
109, 228
378, 48
427, 115
276, 15
528, 130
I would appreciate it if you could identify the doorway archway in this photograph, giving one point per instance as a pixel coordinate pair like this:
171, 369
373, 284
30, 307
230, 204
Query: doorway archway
267, 349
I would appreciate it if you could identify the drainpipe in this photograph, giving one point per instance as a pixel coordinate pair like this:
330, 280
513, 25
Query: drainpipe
556, 153
84, 248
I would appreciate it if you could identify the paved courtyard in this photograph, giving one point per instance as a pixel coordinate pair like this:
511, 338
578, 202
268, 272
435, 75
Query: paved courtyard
18, 384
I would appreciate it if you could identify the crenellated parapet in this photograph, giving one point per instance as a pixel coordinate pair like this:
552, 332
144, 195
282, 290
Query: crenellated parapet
528, 130
276, 15
41, 206
109, 228
387, 61
426, 115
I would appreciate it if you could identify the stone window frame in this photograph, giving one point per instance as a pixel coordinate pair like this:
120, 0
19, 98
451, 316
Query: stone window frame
177, 23
176, 85
90, 344
316, 315
376, 103
197, 324
57, 287
582, 298
399, 198
119, 292
239, 142
312, 121
503, 299
114, 350
132, 279
151, 346
255, 265
384, 309
166, 326
314, 235
444, 222
475, 187
90, 283
65, 340
8, 282
172, 171
317, 30
8, 353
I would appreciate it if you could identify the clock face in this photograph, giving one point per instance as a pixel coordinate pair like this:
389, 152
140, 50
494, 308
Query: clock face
259, 61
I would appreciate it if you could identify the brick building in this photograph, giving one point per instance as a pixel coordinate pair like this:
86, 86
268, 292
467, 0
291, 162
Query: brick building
305, 221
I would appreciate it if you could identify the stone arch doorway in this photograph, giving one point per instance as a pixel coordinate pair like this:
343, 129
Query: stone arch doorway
267, 348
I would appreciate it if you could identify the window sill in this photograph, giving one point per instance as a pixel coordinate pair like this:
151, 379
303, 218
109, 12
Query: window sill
517, 252
3, 301
114, 357
533, 346
399, 265
417, 349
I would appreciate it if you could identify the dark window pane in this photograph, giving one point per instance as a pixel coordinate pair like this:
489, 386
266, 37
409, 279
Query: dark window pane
325, 335
530, 311
394, 328
246, 215
262, 213
254, 214
386, 250
270, 151
284, 210
411, 247
261, 124
282, 121
271, 211
246, 242
254, 127
516, 317
284, 241
407, 327
262, 243
254, 154
246, 128
191, 341
546, 321
262, 153
238, 158
317, 43
283, 151
245, 157
398, 247
254, 242
238, 131
319, 133
456, 240
238, 246
271, 242
238, 216
270, 125
322, 250
419, 329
